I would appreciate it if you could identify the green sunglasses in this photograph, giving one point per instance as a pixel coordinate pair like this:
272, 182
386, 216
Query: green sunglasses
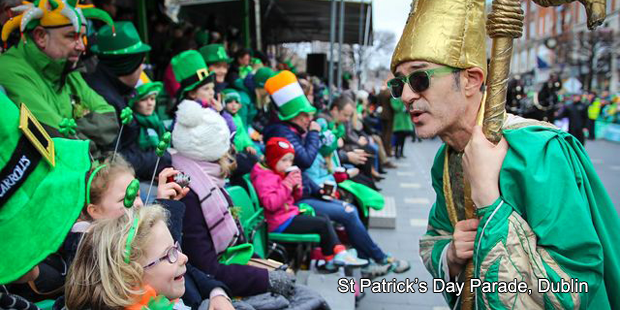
419, 81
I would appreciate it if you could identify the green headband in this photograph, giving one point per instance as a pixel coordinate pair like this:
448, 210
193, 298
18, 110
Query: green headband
130, 236
90, 180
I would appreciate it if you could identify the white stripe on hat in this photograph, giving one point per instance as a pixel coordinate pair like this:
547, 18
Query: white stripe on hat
287, 93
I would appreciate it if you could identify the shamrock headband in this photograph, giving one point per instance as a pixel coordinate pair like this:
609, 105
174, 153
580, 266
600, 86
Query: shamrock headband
90, 181
130, 196
52, 13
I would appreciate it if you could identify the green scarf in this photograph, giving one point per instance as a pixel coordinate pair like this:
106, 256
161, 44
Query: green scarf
151, 129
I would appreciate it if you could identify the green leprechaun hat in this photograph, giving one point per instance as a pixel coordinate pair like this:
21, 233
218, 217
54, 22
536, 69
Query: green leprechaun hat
214, 53
145, 88
262, 75
42, 190
288, 95
190, 70
125, 41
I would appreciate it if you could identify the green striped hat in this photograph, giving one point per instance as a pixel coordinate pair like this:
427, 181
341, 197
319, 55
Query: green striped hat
288, 95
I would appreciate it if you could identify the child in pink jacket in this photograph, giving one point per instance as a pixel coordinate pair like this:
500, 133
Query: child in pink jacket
278, 191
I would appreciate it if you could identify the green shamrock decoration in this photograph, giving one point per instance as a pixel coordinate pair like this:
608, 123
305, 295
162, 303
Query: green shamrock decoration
126, 116
163, 144
67, 127
131, 193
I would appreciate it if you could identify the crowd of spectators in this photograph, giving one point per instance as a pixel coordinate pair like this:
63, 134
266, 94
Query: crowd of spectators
229, 114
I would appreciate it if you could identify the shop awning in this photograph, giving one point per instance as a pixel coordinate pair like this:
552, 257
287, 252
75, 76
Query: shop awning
283, 21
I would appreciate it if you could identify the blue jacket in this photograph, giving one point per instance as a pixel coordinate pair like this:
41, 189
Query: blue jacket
318, 172
306, 148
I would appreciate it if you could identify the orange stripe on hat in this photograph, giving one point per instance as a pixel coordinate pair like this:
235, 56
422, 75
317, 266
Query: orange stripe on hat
279, 81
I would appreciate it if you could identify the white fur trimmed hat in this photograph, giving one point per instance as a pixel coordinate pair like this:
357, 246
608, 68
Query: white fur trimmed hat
200, 133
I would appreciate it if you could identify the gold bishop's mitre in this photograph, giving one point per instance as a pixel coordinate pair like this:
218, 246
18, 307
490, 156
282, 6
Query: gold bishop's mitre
447, 32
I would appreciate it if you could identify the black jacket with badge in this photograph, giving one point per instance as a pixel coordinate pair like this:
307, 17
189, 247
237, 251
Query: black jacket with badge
117, 94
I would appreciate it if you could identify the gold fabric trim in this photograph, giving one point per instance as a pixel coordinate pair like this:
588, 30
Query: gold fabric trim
447, 189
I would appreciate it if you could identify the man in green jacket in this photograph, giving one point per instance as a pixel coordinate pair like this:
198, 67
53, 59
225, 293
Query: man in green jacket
542, 216
40, 71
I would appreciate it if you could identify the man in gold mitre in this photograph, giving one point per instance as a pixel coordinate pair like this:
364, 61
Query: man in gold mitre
542, 215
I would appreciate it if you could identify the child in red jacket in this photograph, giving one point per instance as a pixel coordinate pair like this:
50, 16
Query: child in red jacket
278, 190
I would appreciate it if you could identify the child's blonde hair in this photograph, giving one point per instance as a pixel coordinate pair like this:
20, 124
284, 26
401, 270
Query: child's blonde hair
105, 175
99, 278
228, 164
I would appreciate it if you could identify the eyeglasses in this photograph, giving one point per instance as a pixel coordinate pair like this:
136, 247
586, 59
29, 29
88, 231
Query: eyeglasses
171, 256
419, 81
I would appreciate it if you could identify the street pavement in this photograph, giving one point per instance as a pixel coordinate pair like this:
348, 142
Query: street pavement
410, 186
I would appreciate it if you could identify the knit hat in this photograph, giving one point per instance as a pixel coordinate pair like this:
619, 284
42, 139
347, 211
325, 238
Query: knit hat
262, 75
213, 53
52, 14
200, 133
190, 70
288, 95
42, 190
276, 149
230, 94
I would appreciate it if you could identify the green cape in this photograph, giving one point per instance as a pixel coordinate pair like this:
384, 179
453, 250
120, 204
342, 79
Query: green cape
549, 188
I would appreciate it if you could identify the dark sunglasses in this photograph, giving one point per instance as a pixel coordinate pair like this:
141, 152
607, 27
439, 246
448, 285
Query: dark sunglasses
419, 81
171, 256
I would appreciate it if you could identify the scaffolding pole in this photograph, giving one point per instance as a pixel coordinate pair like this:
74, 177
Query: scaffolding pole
246, 24
340, 43
332, 38
259, 40
360, 44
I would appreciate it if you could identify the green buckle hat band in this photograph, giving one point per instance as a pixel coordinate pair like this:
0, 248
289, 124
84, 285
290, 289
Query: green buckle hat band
34, 144
21, 164
200, 75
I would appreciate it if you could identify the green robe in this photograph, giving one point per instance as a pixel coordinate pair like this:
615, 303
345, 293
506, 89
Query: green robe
553, 220
402, 120
31, 77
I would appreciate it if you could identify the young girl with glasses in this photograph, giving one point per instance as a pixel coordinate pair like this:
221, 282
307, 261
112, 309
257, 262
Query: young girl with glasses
130, 262
120, 260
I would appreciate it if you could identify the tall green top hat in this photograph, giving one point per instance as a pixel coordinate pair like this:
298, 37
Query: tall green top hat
288, 95
190, 70
213, 53
126, 41
42, 190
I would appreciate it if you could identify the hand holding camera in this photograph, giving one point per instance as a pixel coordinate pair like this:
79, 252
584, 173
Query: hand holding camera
173, 184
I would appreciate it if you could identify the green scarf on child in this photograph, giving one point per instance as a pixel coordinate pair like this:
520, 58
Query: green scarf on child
151, 129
